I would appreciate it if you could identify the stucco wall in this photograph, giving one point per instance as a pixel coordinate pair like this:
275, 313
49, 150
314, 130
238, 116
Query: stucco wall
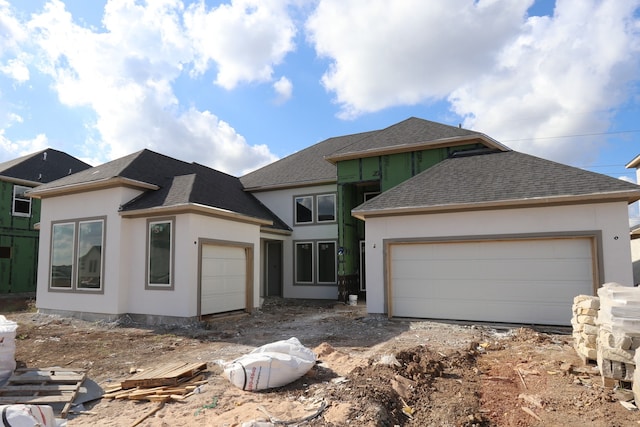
635, 258
125, 258
79, 206
281, 203
610, 218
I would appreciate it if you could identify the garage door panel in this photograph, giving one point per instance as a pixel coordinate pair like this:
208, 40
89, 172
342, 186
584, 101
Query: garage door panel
530, 281
223, 279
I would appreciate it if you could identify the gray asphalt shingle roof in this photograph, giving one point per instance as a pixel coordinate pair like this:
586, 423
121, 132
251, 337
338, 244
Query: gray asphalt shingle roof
179, 183
305, 167
494, 178
407, 132
310, 166
42, 166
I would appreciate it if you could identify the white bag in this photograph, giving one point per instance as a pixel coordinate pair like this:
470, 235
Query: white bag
7, 348
272, 365
27, 416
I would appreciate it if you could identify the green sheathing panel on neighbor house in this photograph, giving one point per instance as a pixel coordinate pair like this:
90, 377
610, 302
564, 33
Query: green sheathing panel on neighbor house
374, 174
18, 245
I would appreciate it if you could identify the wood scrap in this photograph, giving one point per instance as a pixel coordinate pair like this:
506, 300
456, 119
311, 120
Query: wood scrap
530, 412
173, 381
148, 414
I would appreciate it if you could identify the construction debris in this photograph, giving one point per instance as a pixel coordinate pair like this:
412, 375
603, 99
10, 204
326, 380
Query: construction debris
173, 381
44, 386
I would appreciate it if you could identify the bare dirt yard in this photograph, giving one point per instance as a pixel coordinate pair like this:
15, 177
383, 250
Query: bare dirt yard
371, 371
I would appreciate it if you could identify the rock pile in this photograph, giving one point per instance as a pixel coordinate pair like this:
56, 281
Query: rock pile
585, 332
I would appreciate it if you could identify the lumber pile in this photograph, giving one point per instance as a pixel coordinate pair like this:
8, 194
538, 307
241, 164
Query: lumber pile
585, 332
619, 332
173, 381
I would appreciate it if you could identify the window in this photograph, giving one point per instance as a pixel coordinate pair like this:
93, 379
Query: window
315, 263
77, 255
304, 209
21, 203
160, 253
304, 262
90, 236
327, 262
325, 209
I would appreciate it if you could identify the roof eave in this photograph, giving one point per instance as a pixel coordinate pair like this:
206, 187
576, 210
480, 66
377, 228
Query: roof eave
19, 181
629, 196
634, 163
100, 184
289, 185
401, 148
194, 208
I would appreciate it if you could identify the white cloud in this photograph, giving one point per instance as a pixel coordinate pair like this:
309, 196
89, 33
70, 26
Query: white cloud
561, 76
12, 33
126, 74
245, 39
10, 150
284, 89
385, 53
16, 69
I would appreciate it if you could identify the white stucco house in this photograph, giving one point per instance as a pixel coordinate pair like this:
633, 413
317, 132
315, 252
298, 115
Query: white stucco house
153, 237
635, 226
419, 219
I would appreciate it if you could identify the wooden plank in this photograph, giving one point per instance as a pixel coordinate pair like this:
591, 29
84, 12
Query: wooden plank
43, 386
166, 375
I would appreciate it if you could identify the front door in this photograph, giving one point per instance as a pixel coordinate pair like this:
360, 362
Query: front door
273, 286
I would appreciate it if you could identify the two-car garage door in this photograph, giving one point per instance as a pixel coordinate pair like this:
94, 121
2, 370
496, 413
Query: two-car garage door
515, 280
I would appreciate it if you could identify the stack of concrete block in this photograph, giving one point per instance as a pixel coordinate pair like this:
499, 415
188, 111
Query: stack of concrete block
619, 331
636, 380
585, 332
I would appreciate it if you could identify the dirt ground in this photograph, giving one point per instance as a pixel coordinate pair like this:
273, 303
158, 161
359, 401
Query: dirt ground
371, 371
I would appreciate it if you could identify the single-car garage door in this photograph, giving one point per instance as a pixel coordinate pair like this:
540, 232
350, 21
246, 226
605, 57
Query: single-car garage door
223, 279
516, 281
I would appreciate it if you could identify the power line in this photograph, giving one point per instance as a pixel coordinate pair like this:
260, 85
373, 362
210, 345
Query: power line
573, 136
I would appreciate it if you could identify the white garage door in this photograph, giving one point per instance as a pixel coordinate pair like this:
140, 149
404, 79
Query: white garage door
516, 281
223, 279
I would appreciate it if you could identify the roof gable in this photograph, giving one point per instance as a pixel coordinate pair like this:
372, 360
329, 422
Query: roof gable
42, 166
497, 179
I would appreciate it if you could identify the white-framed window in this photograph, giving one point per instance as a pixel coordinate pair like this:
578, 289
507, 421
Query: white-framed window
327, 262
160, 253
326, 207
315, 262
304, 262
314, 209
304, 209
21, 203
77, 255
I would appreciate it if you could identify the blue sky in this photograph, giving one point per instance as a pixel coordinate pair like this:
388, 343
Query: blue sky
237, 84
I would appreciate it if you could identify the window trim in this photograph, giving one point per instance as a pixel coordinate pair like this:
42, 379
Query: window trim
335, 209
172, 254
335, 262
74, 288
314, 209
295, 261
22, 199
315, 262
295, 210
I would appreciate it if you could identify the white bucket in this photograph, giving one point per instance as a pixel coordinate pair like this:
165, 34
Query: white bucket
353, 299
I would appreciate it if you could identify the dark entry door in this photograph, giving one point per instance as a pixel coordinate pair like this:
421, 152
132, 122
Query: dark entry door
274, 269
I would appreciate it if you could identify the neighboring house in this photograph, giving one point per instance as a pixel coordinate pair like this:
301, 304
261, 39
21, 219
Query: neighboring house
19, 214
420, 219
153, 237
635, 227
